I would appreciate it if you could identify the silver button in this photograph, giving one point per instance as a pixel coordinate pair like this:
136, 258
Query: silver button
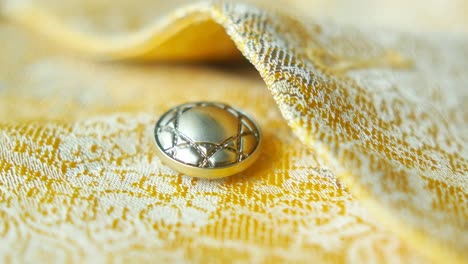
207, 140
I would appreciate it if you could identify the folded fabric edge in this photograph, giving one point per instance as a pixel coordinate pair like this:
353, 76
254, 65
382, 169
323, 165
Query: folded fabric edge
167, 39
158, 42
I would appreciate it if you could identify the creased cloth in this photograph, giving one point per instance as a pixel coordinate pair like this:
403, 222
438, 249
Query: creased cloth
365, 154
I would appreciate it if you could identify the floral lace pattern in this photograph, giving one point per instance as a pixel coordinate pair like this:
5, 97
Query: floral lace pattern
377, 112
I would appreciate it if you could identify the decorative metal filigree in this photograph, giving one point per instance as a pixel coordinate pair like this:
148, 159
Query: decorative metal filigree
240, 144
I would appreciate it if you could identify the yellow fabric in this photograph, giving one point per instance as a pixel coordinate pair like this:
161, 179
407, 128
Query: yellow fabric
365, 156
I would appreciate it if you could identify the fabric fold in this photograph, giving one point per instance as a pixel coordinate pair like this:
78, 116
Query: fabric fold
386, 111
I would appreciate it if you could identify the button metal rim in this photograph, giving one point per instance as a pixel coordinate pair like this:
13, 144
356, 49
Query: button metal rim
210, 173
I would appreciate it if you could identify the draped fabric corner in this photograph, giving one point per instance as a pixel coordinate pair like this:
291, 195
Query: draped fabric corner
365, 155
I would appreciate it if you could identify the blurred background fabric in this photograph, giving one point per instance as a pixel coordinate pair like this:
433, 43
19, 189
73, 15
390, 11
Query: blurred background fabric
363, 105
415, 16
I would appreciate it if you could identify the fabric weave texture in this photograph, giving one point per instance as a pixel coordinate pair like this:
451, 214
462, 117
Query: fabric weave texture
365, 141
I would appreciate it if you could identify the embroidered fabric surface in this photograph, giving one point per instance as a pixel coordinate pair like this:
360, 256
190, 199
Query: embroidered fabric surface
365, 156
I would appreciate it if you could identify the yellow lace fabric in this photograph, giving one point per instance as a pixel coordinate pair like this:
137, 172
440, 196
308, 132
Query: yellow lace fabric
365, 154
